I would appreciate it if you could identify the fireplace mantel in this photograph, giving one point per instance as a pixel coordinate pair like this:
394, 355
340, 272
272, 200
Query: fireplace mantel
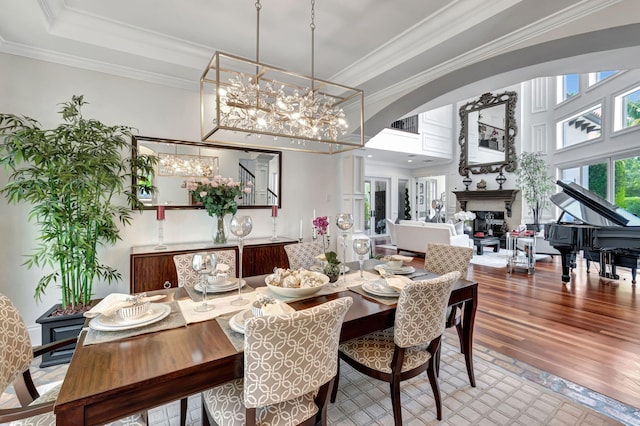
507, 195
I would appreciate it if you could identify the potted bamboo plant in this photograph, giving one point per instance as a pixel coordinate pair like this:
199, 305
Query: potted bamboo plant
535, 184
78, 179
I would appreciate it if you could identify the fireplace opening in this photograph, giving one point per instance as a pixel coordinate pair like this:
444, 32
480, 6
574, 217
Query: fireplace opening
490, 223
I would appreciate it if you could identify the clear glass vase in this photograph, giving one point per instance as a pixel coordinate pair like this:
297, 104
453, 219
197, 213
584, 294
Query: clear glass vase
220, 232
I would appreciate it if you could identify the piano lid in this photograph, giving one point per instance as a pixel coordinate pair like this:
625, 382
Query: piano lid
591, 209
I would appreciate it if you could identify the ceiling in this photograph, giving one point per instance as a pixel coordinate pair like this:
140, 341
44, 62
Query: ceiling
404, 54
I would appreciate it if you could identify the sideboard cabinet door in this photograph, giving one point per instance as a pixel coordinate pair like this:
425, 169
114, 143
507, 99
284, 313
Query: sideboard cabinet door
154, 269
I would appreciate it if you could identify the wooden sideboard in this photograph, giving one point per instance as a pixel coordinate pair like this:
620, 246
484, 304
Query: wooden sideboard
154, 269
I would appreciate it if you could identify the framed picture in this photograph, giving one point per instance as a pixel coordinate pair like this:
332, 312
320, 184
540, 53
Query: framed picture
421, 191
421, 202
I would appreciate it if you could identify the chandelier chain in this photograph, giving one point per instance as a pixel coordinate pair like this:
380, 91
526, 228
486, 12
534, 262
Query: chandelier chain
313, 30
258, 7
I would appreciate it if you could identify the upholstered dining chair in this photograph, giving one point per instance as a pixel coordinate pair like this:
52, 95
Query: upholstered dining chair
188, 277
16, 355
303, 255
290, 362
443, 258
411, 346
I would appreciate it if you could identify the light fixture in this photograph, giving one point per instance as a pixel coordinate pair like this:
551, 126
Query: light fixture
186, 165
249, 104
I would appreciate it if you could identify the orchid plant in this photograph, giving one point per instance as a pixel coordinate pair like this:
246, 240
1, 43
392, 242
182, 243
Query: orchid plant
321, 224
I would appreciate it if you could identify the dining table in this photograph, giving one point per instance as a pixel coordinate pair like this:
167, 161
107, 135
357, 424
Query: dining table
109, 380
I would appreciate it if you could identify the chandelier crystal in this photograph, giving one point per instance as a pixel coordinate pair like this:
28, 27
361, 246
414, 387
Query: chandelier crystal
248, 103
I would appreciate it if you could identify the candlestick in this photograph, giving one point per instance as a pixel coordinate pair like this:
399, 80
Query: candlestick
160, 245
314, 214
300, 235
274, 211
160, 212
274, 233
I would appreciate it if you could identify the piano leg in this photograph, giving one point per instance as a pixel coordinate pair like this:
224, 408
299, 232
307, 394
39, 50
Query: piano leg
633, 276
567, 259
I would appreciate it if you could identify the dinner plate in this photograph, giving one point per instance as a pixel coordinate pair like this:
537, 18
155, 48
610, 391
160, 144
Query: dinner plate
318, 268
232, 285
401, 271
156, 312
376, 288
237, 321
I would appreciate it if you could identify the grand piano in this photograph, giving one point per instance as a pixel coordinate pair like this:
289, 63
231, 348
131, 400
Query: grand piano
605, 233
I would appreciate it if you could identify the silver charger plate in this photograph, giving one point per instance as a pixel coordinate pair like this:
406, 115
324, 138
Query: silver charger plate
237, 321
402, 271
232, 285
156, 312
377, 288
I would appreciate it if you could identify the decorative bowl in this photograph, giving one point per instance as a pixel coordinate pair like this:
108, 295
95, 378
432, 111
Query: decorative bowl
394, 264
217, 279
299, 291
134, 311
256, 308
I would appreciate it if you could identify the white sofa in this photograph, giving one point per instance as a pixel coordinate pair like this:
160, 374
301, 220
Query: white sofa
413, 235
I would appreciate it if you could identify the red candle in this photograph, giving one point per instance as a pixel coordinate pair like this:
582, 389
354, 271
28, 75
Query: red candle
274, 211
160, 213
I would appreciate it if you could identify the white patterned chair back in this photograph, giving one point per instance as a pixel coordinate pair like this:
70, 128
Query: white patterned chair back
303, 255
287, 356
421, 310
15, 346
188, 277
444, 258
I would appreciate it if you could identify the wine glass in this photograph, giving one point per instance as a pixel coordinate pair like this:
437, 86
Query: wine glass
344, 222
240, 226
361, 246
204, 263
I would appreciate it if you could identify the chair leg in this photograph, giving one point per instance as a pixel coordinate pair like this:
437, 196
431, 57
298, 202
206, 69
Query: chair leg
434, 350
334, 389
183, 411
435, 387
394, 388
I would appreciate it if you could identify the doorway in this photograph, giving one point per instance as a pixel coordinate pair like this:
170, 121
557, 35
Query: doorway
376, 193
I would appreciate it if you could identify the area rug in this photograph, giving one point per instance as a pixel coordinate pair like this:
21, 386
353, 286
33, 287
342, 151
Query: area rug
508, 392
499, 260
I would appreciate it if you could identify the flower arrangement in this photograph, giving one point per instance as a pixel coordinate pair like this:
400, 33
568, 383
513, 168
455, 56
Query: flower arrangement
464, 216
218, 195
332, 268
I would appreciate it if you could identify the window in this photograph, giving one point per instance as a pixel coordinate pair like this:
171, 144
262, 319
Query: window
596, 77
592, 176
627, 184
581, 127
568, 86
627, 109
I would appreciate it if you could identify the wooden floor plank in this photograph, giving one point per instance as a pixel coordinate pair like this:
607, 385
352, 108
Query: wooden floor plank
586, 331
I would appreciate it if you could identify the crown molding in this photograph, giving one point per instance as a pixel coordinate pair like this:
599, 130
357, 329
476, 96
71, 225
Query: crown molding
92, 65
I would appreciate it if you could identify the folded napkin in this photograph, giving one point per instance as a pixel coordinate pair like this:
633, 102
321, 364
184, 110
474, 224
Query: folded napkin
222, 267
114, 301
276, 308
397, 282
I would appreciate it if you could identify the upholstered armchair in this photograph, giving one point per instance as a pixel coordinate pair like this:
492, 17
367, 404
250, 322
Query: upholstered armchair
303, 255
16, 355
290, 362
443, 258
411, 347
188, 277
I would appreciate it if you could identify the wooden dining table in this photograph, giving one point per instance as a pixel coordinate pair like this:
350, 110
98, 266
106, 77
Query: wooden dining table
111, 380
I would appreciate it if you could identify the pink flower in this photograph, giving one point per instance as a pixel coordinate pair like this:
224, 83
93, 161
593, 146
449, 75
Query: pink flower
203, 194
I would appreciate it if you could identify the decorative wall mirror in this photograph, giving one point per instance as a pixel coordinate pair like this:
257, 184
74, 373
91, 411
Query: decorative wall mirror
183, 160
487, 134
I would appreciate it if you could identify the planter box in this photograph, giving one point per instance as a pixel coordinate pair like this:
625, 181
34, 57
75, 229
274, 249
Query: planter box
59, 328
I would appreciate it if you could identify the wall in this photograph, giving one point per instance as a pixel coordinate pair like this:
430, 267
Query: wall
35, 88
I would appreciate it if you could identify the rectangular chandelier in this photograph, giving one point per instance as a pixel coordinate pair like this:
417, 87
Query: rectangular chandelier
245, 103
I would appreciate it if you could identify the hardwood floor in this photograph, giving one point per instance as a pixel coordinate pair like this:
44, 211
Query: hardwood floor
587, 331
